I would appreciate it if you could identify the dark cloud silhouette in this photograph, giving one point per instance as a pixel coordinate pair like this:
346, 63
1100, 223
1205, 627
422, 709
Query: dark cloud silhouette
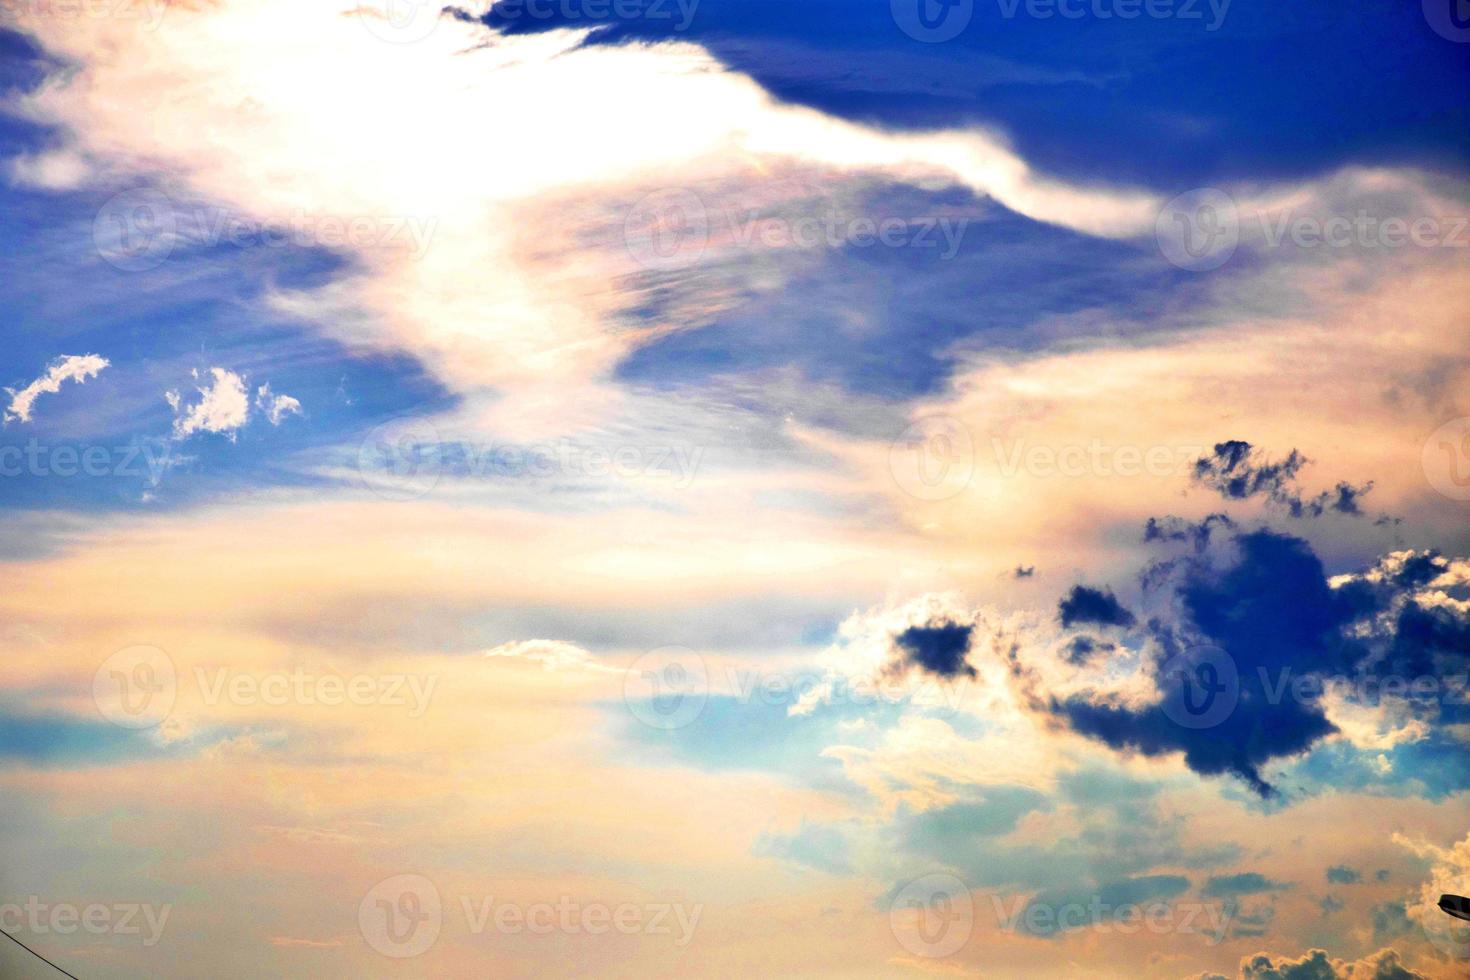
1084, 649
1088, 605
1340, 874
939, 649
1245, 883
1260, 609
1237, 471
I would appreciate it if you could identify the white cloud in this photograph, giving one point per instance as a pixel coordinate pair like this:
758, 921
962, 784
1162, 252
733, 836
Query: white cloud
276, 407
57, 170
70, 367
223, 406
552, 655
516, 290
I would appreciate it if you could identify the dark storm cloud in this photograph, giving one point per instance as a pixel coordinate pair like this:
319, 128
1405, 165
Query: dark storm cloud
938, 648
1262, 605
1088, 605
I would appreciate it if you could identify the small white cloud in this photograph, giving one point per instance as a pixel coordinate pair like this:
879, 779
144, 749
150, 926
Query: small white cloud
223, 407
552, 655
70, 367
58, 170
276, 407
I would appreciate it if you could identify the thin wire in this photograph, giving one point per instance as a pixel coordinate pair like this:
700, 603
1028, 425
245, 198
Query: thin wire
38, 956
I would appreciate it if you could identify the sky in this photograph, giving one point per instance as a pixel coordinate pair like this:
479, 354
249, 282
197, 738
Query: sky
661, 488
